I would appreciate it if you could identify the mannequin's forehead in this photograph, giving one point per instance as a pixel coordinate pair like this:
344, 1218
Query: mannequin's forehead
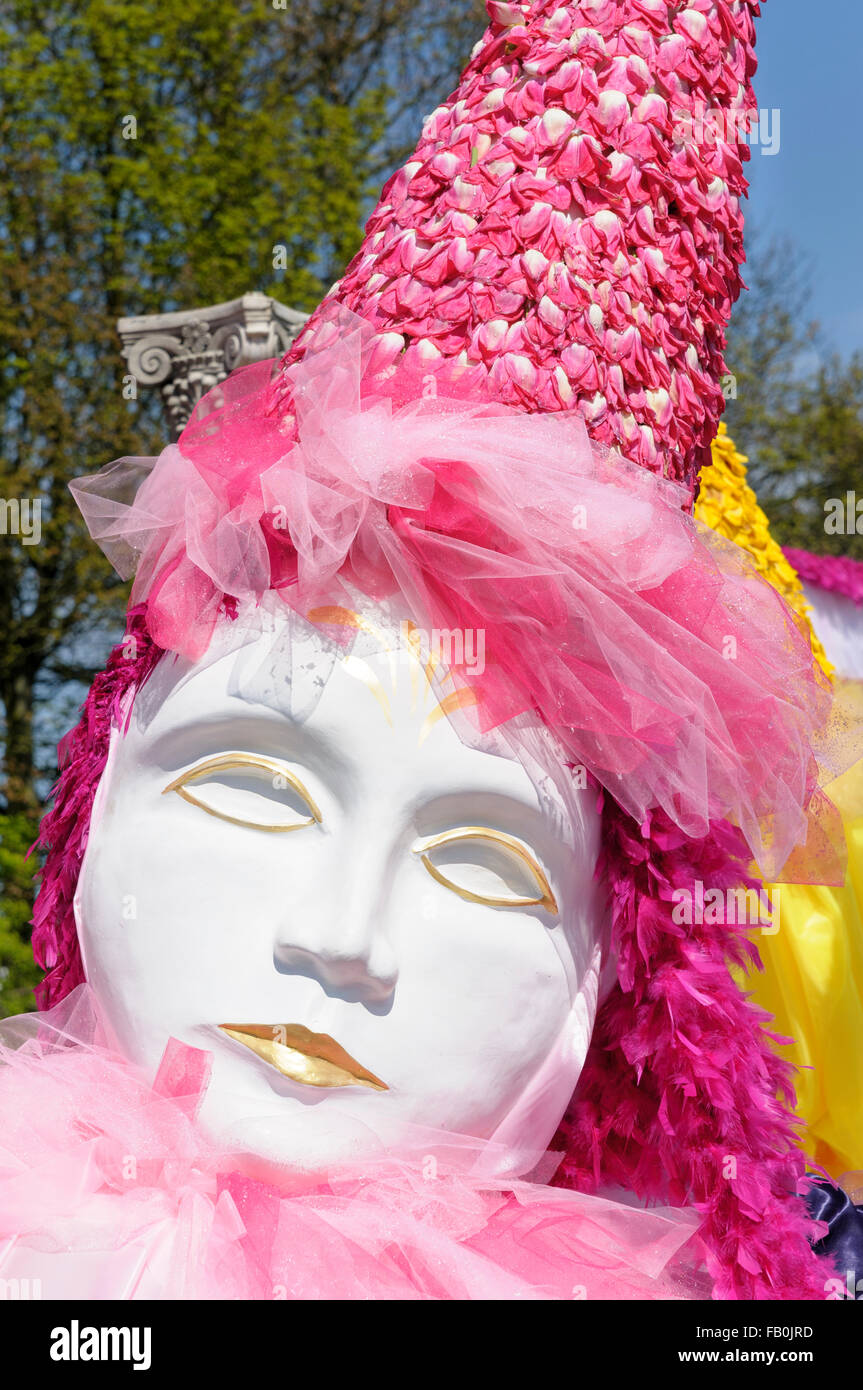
377, 707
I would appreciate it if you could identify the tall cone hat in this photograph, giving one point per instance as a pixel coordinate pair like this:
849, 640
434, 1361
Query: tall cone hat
569, 226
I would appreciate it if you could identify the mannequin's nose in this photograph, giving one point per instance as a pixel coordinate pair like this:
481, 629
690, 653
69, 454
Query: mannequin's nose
340, 938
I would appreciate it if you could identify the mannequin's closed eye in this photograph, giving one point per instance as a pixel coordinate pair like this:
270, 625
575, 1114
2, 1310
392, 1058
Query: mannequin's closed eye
250, 790
487, 866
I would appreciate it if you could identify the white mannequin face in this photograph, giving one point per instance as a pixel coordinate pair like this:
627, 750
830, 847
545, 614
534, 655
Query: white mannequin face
476, 1014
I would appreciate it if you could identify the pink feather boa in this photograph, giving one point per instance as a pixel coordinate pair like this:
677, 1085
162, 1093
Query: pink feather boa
682, 1097
65, 828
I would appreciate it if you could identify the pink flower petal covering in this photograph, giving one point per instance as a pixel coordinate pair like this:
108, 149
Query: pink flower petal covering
569, 224
837, 574
649, 646
114, 1188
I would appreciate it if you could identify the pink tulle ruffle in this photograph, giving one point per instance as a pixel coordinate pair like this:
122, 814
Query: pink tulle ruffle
648, 645
109, 1189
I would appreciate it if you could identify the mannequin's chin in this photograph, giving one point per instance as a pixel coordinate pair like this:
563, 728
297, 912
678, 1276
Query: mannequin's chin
303, 1141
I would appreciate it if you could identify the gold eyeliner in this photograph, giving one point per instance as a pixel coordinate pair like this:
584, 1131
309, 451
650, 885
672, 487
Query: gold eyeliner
229, 762
478, 832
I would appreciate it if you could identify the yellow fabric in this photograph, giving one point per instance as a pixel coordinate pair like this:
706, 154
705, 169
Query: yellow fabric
812, 981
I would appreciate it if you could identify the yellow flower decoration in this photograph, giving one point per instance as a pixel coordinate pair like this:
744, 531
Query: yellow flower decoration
728, 505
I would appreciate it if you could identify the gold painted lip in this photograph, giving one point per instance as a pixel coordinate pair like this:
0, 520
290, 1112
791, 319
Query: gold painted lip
313, 1059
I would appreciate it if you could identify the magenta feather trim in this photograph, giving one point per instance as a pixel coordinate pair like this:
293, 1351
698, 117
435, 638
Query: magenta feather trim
682, 1098
838, 574
65, 829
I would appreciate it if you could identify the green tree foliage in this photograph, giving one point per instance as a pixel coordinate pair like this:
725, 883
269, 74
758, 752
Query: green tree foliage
155, 157
18, 974
799, 409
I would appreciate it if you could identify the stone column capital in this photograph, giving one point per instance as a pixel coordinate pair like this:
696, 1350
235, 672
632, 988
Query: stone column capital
186, 353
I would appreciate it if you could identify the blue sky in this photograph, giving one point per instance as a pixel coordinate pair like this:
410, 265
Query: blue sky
809, 66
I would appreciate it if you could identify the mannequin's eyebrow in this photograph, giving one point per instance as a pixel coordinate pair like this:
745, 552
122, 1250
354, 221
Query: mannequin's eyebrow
269, 733
496, 810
